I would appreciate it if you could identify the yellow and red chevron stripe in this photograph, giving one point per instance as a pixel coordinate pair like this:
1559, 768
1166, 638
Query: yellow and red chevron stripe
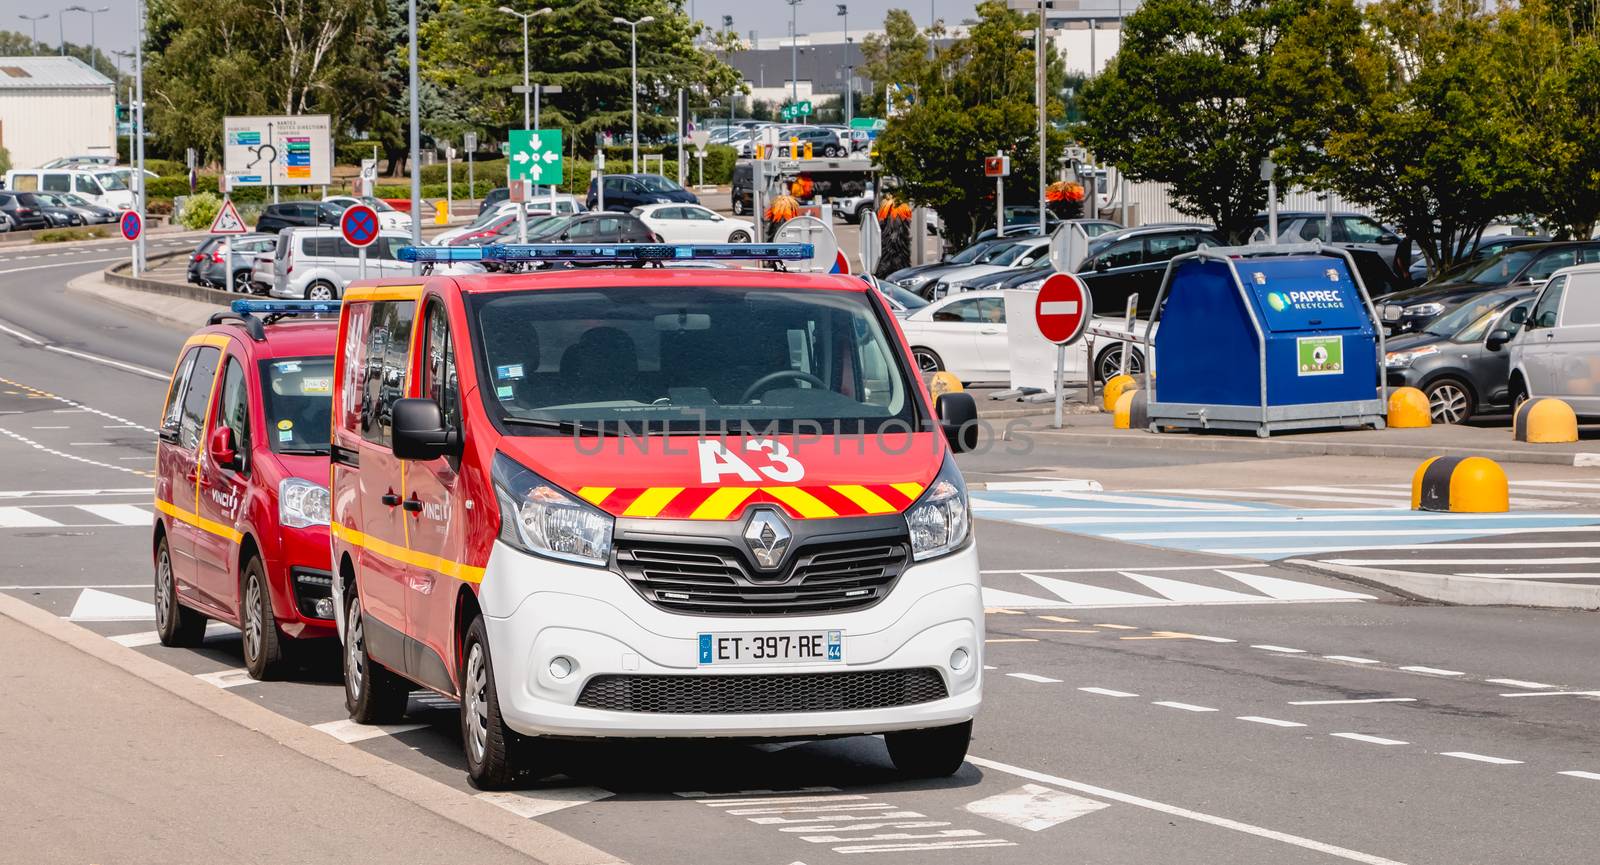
726, 503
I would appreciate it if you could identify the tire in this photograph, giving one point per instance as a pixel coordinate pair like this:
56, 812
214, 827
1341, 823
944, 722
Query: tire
321, 290
861, 214
263, 645
494, 751
372, 693
934, 753
738, 206
1109, 363
176, 625
1450, 400
739, 237
928, 360
1518, 393
241, 281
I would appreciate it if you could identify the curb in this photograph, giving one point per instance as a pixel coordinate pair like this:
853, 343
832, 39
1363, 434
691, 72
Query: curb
1465, 591
535, 840
114, 275
1320, 448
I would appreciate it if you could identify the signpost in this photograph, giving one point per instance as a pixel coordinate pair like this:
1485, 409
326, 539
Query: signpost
277, 151
535, 156
1062, 313
701, 138
132, 227
998, 166
469, 142
359, 226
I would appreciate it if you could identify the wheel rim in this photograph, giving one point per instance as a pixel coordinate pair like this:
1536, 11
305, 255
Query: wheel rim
241, 283
319, 292
355, 654
163, 588
1448, 403
252, 619
926, 362
475, 708
739, 237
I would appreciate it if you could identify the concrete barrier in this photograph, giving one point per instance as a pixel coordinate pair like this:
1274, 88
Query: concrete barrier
117, 275
1114, 388
1544, 420
1470, 485
1408, 409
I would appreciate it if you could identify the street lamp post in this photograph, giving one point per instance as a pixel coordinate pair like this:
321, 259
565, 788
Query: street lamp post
794, 53
727, 25
34, 20
849, 71
633, 62
526, 89
138, 141
93, 49
416, 132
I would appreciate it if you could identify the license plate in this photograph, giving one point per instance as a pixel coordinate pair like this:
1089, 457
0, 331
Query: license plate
772, 647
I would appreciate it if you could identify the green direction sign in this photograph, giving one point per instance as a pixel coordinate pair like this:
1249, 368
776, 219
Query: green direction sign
798, 109
535, 155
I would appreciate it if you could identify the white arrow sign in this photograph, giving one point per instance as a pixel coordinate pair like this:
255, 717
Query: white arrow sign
522, 156
549, 157
535, 170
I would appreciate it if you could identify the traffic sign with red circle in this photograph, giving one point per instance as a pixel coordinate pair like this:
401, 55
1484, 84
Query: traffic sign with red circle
359, 225
1063, 308
132, 225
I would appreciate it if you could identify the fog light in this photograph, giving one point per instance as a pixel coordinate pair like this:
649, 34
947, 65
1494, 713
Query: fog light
324, 608
959, 660
561, 667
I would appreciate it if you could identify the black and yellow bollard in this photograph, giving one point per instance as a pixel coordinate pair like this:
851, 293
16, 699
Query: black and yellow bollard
1545, 421
1132, 411
1115, 387
1470, 485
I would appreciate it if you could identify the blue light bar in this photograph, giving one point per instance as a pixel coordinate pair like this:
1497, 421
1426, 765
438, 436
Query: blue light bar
286, 307
612, 252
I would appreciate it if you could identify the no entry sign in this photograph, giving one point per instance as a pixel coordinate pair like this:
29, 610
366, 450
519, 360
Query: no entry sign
1063, 308
359, 225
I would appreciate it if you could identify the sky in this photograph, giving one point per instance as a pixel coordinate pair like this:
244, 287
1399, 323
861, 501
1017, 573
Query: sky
115, 29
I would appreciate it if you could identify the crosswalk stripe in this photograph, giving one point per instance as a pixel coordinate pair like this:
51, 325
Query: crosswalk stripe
1134, 499
20, 518
1290, 590
1177, 590
1085, 594
122, 515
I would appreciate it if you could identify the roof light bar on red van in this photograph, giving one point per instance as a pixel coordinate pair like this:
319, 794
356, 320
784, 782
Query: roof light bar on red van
614, 252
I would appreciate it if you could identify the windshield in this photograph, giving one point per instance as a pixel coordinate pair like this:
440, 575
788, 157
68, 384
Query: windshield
74, 200
692, 360
1501, 268
297, 397
1466, 322
657, 183
110, 180
377, 204
971, 253
1007, 254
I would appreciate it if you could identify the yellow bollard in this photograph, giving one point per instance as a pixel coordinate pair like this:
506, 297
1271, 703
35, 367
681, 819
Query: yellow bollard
1124, 408
1468, 485
1545, 421
1408, 409
943, 383
1114, 388
441, 212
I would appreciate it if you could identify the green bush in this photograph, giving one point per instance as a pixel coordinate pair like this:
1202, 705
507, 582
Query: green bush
199, 210
166, 167
62, 235
494, 169
352, 152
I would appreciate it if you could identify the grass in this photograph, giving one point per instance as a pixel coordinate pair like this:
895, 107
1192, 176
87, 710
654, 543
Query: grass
63, 235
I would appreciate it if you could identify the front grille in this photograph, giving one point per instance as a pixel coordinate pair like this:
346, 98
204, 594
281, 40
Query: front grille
706, 579
751, 694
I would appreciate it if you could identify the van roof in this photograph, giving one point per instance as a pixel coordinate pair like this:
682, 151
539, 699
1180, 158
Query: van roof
292, 338
656, 277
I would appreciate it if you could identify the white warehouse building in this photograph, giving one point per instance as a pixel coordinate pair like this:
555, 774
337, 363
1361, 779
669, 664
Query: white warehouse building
55, 106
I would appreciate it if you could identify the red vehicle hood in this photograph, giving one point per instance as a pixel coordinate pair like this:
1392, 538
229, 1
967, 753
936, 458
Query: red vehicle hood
690, 477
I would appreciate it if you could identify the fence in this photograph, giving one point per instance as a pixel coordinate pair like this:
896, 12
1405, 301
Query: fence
1150, 202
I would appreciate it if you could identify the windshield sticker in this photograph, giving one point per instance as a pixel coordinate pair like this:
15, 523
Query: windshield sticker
510, 370
316, 385
503, 391
286, 435
288, 366
286, 425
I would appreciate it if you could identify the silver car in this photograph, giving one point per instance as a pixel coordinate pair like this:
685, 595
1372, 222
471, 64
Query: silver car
229, 262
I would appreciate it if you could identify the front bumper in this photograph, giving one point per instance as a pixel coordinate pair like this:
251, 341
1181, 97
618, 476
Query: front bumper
536, 610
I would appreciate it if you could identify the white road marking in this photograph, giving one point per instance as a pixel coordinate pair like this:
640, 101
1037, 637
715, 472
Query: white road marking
1352, 702
128, 367
74, 457
1002, 598
1291, 590
1330, 533
735, 794
1554, 694
1588, 776
1303, 518
1371, 740
1545, 575
1186, 593
1148, 502
77, 587
1574, 560
21, 518
349, 732
94, 605
1273, 722
1111, 570
89, 444
1030, 677
1268, 647
1206, 639
853, 813
120, 491
548, 801
122, 515
1107, 692
227, 678
1260, 495
1433, 671
1085, 594
1351, 659
1522, 683
1185, 813
52, 427
1187, 707
1481, 758
151, 638
1034, 807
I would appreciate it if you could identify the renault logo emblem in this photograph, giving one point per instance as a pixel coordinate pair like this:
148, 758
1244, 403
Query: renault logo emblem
768, 537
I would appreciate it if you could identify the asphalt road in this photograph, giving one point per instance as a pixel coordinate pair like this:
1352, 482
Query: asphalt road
1151, 698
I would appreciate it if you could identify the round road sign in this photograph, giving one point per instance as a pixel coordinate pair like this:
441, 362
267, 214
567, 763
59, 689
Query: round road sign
1063, 308
132, 225
809, 229
359, 225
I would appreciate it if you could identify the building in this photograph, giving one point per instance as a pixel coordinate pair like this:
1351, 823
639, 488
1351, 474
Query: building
55, 106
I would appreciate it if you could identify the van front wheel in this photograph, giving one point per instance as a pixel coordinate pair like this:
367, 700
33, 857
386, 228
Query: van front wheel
494, 751
934, 753
320, 290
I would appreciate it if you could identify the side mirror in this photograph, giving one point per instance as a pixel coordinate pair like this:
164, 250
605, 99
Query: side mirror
220, 448
958, 418
419, 432
1101, 266
1497, 338
1388, 238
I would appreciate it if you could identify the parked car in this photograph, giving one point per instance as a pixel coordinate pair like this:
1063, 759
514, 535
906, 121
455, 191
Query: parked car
499, 201
93, 214
901, 302
1133, 261
388, 216
624, 192
597, 227
200, 259
229, 262
1525, 266
102, 186
1349, 230
1557, 354
297, 214
1451, 360
1022, 219
246, 420
1487, 247
692, 223
824, 142
59, 213
81, 159
912, 278
317, 263
23, 210
1019, 254
964, 334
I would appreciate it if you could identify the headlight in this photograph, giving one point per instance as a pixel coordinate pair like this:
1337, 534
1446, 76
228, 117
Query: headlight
913, 281
940, 520
1423, 310
1403, 359
539, 518
1032, 284
302, 503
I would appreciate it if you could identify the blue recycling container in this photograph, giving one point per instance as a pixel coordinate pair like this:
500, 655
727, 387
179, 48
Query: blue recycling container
1253, 338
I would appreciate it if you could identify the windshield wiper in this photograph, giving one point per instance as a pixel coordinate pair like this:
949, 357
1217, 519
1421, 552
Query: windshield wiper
566, 426
307, 452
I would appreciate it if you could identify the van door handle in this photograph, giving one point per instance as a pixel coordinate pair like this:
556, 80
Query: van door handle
389, 499
413, 505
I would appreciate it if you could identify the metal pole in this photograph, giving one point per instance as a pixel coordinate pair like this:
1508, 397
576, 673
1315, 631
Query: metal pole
61, 33
525, 73
1272, 211
138, 130
449, 182
1038, 50
683, 172
794, 52
361, 262
1061, 370
633, 62
999, 204
536, 125
416, 134
472, 180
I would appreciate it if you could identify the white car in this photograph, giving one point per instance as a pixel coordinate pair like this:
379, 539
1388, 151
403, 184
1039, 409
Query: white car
690, 223
1557, 352
1003, 257
388, 217
964, 334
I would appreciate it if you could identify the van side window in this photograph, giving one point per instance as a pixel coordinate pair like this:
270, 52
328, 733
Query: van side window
197, 396
24, 182
1549, 305
234, 410
384, 379
87, 185
439, 367
1583, 303
58, 183
172, 414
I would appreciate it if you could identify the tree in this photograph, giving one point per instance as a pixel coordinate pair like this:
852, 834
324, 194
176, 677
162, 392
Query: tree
898, 55
1186, 102
974, 99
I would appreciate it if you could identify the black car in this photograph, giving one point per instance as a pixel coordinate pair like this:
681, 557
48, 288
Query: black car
1488, 247
1519, 267
292, 214
495, 196
59, 214
742, 187
1121, 264
1451, 361
624, 192
1023, 219
24, 210
912, 278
